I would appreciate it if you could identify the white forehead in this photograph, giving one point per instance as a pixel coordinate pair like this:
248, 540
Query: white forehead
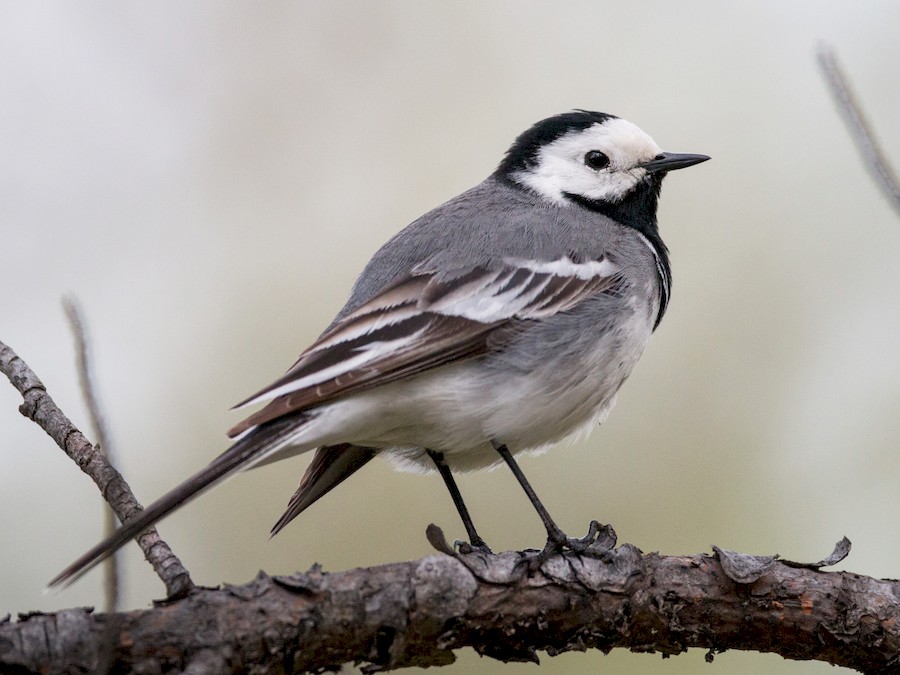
623, 142
559, 168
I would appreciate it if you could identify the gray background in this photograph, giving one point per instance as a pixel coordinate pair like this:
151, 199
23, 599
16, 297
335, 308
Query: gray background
208, 178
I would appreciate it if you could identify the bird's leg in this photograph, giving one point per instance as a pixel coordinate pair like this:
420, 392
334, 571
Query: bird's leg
554, 534
556, 538
476, 543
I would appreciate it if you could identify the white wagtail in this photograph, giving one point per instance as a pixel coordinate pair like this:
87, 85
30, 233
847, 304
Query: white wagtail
501, 322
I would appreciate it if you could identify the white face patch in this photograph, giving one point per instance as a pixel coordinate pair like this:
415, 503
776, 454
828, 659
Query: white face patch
561, 169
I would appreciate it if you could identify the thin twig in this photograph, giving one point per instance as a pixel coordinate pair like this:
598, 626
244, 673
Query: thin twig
40, 408
101, 433
860, 129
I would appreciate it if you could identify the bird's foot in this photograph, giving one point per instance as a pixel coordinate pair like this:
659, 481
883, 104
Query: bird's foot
477, 557
437, 539
475, 546
599, 540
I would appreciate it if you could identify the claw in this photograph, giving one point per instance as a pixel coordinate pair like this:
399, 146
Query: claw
436, 538
599, 540
465, 547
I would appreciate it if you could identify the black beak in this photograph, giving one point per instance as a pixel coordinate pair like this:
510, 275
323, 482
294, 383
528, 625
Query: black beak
669, 161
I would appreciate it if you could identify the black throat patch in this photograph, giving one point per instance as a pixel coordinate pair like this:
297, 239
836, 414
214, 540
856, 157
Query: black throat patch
638, 211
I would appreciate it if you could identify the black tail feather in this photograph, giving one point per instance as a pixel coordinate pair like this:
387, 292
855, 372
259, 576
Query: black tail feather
331, 465
233, 459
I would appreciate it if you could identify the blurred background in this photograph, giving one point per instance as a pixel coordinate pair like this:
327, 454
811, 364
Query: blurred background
208, 178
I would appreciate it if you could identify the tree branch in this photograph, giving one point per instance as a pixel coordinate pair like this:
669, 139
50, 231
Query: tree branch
40, 408
101, 433
416, 613
860, 129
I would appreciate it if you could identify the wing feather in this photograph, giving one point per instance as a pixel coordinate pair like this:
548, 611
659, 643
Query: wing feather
425, 321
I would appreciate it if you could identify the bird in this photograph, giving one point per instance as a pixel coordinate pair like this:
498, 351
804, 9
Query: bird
499, 323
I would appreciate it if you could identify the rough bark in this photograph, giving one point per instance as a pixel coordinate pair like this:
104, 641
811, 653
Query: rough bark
416, 613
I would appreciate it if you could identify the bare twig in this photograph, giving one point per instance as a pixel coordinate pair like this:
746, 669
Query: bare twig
860, 129
101, 433
416, 613
39, 407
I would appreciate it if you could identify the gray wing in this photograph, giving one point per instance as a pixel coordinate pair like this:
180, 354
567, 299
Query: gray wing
479, 228
425, 321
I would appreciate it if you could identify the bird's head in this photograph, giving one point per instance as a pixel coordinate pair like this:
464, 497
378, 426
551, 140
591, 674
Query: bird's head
590, 158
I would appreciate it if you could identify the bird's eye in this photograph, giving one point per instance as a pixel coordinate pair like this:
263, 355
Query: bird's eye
596, 160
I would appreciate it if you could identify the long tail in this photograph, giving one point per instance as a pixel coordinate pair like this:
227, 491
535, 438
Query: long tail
261, 441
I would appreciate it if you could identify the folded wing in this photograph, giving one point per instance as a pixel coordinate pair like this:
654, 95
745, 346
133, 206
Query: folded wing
425, 321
